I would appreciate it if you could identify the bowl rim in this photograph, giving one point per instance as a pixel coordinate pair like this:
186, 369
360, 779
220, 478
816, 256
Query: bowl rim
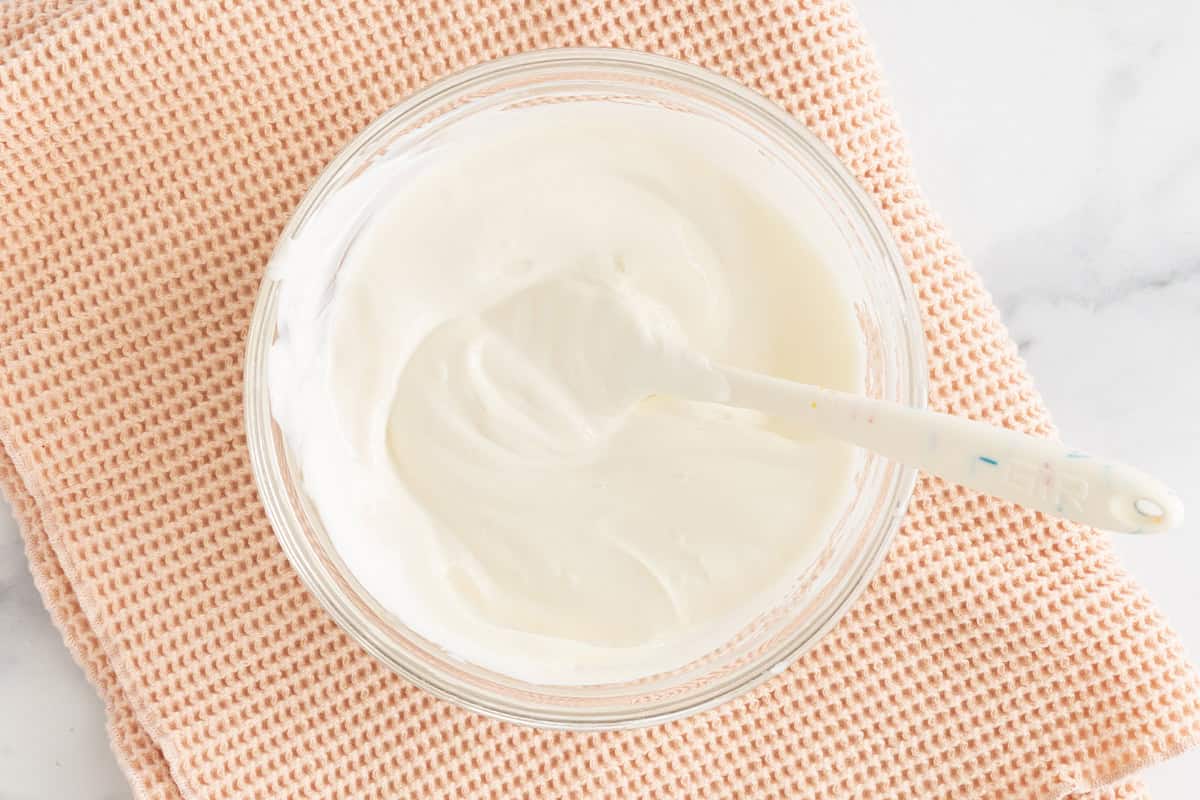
258, 419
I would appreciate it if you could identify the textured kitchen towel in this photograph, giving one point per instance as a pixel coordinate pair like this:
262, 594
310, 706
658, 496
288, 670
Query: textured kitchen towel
150, 153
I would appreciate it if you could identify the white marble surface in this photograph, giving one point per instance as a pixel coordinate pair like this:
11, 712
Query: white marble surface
1059, 144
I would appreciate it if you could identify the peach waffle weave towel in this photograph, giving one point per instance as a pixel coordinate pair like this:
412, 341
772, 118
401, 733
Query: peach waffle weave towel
150, 153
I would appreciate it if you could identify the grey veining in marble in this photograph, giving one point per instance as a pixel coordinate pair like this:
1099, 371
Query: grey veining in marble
1059, 142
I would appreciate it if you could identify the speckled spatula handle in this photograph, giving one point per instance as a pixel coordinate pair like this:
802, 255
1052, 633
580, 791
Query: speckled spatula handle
1037, 473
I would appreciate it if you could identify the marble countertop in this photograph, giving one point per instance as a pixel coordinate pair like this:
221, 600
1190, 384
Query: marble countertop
1059, 144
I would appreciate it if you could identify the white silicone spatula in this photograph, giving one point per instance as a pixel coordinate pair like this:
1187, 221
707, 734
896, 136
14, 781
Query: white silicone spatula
641, 351
1037, 473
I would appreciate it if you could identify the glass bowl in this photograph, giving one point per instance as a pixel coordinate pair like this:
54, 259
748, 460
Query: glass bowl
853, 235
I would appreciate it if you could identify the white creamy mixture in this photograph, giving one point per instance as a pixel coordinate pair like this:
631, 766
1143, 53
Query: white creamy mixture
465, 401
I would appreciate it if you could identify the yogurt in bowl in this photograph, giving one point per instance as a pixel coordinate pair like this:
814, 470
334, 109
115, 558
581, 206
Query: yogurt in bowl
444, 363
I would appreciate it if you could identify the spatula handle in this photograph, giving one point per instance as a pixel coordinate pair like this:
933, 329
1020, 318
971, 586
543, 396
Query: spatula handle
1037, 473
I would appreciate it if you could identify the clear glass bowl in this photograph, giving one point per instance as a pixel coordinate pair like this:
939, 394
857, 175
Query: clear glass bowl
889, 322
